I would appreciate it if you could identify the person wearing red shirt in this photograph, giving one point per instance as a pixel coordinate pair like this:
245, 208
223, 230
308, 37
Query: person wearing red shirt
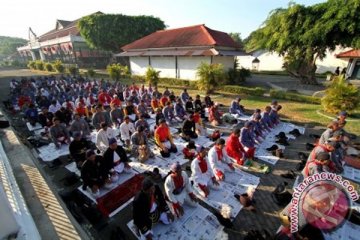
164, 139
104, 98
234, 149
163, 101
116, 101
24, 100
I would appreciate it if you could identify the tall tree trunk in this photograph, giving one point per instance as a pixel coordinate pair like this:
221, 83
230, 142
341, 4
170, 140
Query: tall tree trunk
302, 69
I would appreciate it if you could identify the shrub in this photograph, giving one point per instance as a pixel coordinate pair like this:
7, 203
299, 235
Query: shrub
237, 76
294, 97
39, 65
244, 90
177, 82
90, 72
210, 76
49, 67
31, 65
116, 71
58, 66
73, 70
138, 78
340, 96
152, 76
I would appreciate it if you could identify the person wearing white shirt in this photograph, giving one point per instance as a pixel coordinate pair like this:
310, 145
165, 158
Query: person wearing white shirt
178, 190
219, 160
126, 130
202, 175
54, 107
103, 136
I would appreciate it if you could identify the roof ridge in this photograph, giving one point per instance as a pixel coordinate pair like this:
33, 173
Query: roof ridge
172, 29
210, 37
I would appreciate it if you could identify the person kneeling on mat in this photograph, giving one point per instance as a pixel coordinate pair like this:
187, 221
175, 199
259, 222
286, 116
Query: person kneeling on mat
219, 160
178, 190
164, 139
149, 208
116, 160
93, 173
202, 175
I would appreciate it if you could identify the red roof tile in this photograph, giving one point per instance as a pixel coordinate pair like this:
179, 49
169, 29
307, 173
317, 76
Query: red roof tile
354, 53
198, 35
69, 29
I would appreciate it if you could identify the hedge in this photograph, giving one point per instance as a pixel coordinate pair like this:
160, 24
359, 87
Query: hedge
168, 81
294, 97
243, 90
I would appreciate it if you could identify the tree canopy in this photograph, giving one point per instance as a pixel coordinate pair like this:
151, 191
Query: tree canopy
111, 31
8, 45
236, 37
302, 34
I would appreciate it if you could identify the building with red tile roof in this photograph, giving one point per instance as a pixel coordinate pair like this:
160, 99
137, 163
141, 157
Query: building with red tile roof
64, 42
353, 57
177, 53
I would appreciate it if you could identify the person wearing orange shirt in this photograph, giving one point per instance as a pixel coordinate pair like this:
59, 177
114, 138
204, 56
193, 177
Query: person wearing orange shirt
82, 110
155, 103
164, 139
200, 129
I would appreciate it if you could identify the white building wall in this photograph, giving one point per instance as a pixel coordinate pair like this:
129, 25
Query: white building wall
166, 66
330, 62
245, 61
139, 65
187, 66
271, 61
226, 61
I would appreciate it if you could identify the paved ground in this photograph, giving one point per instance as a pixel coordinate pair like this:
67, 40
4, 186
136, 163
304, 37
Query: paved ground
264, 218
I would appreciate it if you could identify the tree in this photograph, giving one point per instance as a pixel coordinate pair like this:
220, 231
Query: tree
236, 37
210, 76
111, 31
340, 96
303, 34
8, 45
152, 76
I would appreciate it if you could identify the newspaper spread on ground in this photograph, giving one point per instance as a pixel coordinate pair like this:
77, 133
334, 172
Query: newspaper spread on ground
49, 152
197, 223
223, 199
352, 173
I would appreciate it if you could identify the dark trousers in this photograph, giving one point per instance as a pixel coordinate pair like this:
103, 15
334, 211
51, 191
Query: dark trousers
173, 149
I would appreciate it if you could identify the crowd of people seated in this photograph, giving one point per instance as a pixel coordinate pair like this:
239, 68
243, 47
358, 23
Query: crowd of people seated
69, 109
